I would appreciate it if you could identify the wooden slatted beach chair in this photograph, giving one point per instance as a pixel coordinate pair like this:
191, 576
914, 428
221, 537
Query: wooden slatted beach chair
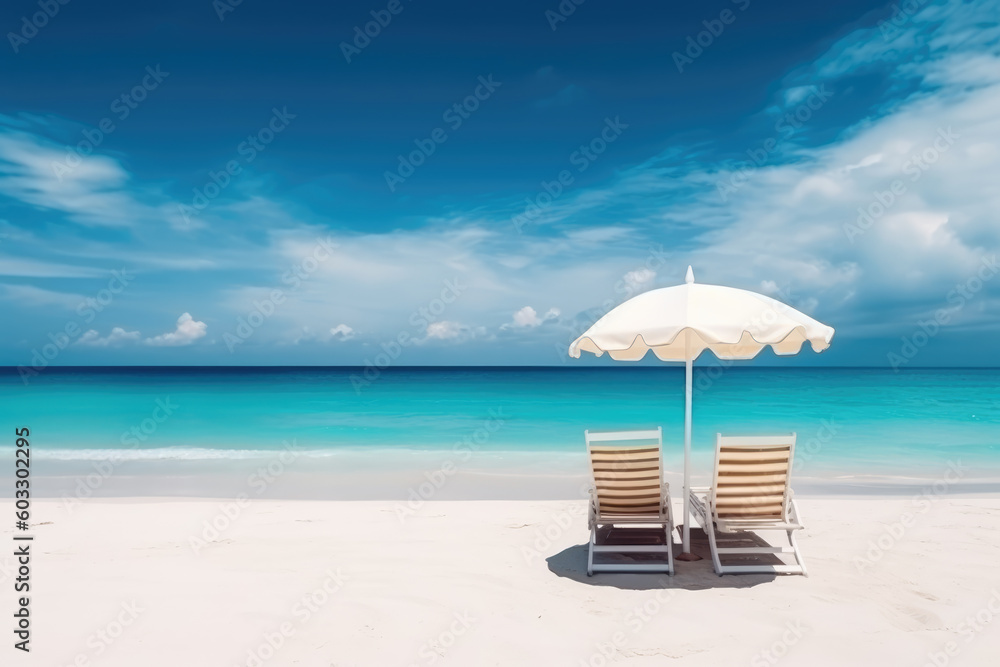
750, 491
628, 493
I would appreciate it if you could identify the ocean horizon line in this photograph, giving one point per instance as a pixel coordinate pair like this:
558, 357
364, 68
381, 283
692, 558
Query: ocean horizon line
736, 366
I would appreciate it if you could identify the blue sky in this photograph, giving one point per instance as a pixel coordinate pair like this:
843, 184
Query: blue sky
485, 180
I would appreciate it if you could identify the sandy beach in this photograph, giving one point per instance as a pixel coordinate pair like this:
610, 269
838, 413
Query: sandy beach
899, 580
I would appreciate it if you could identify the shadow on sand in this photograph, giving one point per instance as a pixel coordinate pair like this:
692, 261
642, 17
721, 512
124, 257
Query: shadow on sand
688, 575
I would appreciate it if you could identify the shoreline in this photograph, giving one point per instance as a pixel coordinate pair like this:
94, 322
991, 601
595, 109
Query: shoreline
435, 485
434, 474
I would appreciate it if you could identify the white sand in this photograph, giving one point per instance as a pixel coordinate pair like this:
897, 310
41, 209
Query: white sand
480, 583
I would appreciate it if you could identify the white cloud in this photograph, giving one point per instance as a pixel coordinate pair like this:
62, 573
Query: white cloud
118, 336
455, 332
342, 332
528, 318
445, 330
866, 161
796, 94
639, 278
188, 331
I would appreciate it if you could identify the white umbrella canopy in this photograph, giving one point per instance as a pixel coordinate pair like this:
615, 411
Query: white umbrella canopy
679, 323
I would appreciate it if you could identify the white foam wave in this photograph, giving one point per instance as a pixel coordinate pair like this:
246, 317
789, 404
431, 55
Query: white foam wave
164, 454
219, 454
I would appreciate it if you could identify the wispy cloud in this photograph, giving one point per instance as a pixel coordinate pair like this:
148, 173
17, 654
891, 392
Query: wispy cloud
94, 192
41, 298
33, 268
117, 337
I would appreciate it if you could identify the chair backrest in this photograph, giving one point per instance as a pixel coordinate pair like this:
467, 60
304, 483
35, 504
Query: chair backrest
626, 468
751, 477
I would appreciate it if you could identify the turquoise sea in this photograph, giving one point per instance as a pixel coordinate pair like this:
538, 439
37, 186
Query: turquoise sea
850, 422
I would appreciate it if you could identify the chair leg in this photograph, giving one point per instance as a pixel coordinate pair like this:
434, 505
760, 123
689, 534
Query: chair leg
668, 531
590, 551
791, 538
709, 528
798, 554
704, 519
670, 539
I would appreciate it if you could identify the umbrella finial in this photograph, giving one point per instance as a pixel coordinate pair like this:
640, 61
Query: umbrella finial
689, 278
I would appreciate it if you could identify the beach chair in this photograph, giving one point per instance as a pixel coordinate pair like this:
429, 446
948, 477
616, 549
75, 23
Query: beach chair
750, 492
629, 503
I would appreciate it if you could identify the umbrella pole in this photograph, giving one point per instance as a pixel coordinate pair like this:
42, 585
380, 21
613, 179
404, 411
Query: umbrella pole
686, 554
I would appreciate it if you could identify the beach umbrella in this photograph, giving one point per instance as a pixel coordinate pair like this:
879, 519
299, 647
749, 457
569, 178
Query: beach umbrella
679, 323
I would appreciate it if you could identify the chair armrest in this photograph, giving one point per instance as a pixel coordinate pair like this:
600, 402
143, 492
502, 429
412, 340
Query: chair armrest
701, 504
700, 490
794, 511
